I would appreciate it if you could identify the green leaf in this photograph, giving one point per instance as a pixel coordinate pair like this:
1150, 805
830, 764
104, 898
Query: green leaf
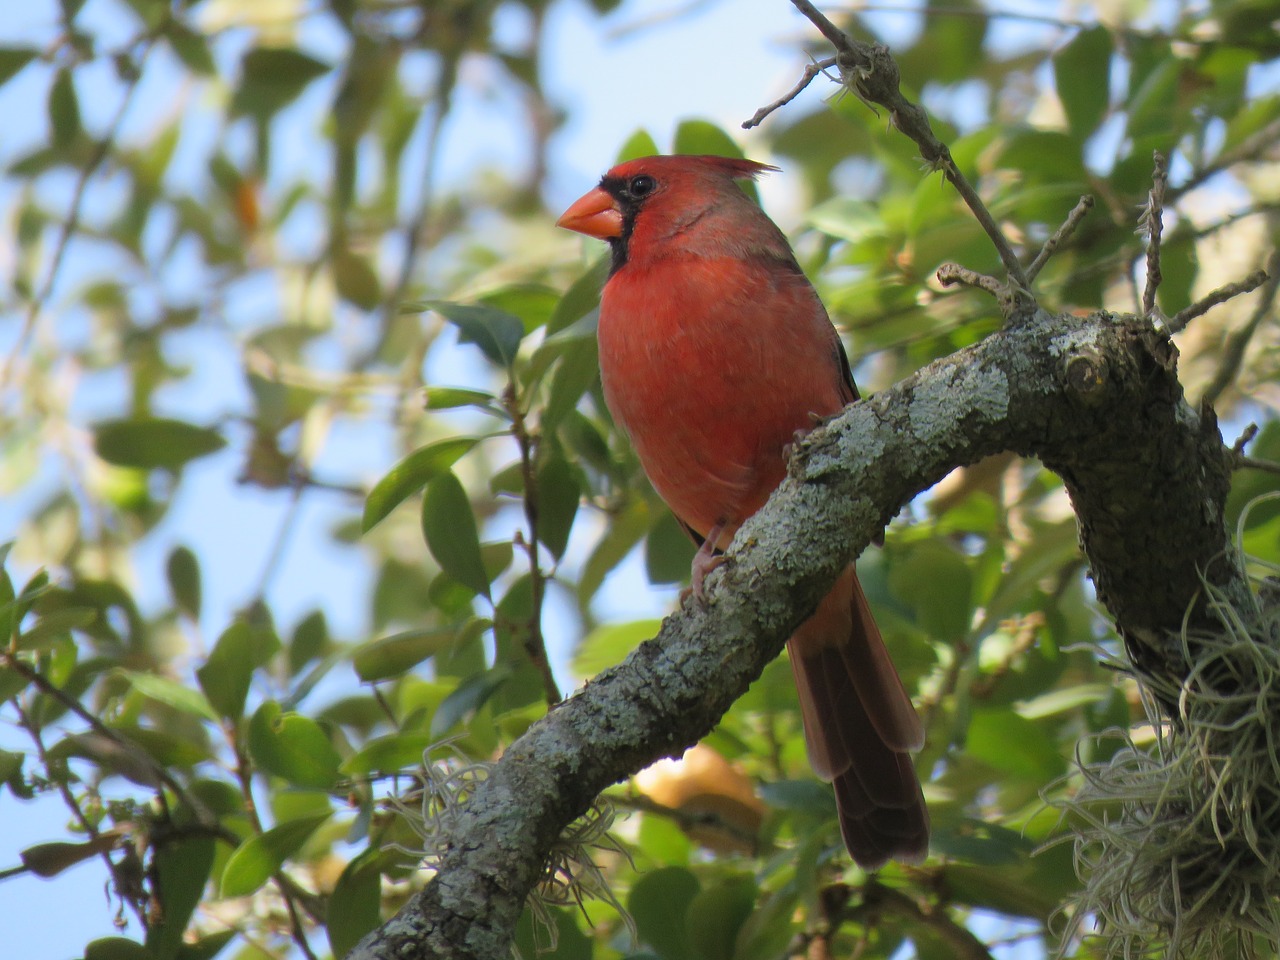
116, 948
13, 59
190, 47
411, 474
258, 858
945, 609
717, 914
608, 645
668, 551
468, 697
183, 570
181, 870
50, 859
272, 77
55, 625
175, 694
624, 532
396, 655
1014, 746
293, 747
558, 499
356, 902
153, 443
1082, 73
659, 904
581, 298
571, 942
449, 398
396, 751
355, 279
702, 136
450, 531
64, 109
496, 332
225, 675
639, 144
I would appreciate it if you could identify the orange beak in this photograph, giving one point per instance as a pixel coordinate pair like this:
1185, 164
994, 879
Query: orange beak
596, 214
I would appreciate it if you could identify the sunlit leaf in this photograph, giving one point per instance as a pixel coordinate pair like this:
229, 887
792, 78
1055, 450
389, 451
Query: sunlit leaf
293, 747
258, 858
412, 474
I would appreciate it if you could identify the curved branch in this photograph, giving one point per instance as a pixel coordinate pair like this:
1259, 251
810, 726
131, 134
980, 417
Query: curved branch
1096, 399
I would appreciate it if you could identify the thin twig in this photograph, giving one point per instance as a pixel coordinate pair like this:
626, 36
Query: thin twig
1179, 321
1252, 463
124, 887
47, 687
869, 71
810, 71
418, 225
1237, 343
1060, 236
878, 899
1152, 220
534, 644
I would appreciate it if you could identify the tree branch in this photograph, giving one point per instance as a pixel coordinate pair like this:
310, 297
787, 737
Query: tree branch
1096, 399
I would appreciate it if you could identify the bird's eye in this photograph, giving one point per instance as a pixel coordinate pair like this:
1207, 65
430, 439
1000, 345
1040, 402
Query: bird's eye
641, 186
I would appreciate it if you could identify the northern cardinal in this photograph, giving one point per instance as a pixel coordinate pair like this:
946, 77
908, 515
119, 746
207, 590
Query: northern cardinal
714, 352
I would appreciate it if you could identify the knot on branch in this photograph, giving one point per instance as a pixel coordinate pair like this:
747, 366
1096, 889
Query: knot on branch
1086, 375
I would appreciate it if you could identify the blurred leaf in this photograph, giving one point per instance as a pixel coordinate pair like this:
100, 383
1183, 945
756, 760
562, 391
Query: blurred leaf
450, 531
271, 78
50, 859
496, 332
717, 914
183, 570
943, 608
396, 655
116, 948
55, 625
581, 298
571, 942
225, 675
181, 868
1013, 745
397, 751
258, 858
446, 398
558, 499
153, 443
668, 551
175, 694
411, 474
13, 59
1082, 71
355, 904
609, 644
639, 144
468, 697
64, 110
355, 279
659, 903
293, 747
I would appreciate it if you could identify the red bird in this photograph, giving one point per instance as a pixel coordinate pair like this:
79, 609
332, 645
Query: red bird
714, 351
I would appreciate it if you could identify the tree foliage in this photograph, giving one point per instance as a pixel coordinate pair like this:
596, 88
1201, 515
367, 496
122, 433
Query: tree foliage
254, 785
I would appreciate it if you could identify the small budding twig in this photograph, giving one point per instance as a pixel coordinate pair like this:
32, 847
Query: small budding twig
1238, 341
870, 72
1179, 321
1060, 236
811, 71
1152, 220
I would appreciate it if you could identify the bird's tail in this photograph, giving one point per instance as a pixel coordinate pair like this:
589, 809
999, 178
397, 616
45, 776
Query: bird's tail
860, 727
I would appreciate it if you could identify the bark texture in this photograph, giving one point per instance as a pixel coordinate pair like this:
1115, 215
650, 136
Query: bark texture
1096, 399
